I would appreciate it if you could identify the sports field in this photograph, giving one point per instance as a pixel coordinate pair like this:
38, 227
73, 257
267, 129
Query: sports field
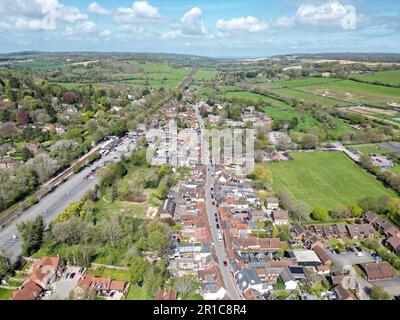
325, 179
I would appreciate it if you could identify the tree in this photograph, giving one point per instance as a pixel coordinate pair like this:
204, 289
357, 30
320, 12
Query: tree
262, 174
26, 154
341, 212
378, 293
65, 151
184, 285
355, 210
137, 269
300, 212
309, 141
158, 237
5, 267
112, 230
70, 97
394, 209
31, 233
275, 232
22, 116
44, 166
320, 214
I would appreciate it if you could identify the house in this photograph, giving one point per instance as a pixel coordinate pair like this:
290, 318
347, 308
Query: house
370, 217
378, 271
393, 244
248, 279
7, 163
322, 255
272, 203
168, 209
288, 279
360, 231
342, 293
257, 245
323, 270
102, 286
168, 294
280, 217
306, 258
46, 270
28, 291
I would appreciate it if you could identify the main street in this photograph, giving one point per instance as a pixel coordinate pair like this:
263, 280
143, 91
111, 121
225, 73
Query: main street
53, 204
219, 246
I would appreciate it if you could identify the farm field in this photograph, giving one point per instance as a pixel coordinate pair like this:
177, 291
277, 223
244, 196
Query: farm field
299, 83
325, 180
356, 92
391, 78
206, 75
308, 97
5, 294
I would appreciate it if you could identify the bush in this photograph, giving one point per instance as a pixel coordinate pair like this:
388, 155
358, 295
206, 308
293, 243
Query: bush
320, 214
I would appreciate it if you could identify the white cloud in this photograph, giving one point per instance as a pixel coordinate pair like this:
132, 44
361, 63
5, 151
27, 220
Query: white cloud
39, 14
243, 24
141, 11
332, 13
4, 26
190, 25
94, 7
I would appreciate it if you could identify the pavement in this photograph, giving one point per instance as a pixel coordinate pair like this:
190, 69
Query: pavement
53, 204
349, 259
219, 247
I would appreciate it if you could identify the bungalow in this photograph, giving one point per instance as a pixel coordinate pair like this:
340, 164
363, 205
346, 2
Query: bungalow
378, 271
280, 217
394, 244
360, 231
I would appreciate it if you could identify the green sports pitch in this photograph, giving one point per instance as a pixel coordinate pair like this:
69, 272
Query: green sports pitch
325, 179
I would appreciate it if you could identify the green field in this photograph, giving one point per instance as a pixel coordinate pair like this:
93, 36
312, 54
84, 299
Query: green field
325, 179
391, 78
136, 293
111, 274
206, 75
5, 294
307, 97
356, 92
299, 82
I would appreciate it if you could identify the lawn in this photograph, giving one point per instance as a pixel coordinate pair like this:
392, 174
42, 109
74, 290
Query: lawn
5, 294
386, 77
136, 293
111, 273
325, 180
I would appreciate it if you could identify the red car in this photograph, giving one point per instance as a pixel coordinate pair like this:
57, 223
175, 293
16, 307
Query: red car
225, 263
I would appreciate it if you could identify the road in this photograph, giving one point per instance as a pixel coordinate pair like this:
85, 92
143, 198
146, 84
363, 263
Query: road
219, 247
51, 205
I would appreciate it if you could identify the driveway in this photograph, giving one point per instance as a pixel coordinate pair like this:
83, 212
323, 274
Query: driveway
391, 286
63, 287
349, 259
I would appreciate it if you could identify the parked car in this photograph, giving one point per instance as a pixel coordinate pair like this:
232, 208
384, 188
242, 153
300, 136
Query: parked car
337, 251
72, 275
225, 263
359, 252
350, 249
217, 226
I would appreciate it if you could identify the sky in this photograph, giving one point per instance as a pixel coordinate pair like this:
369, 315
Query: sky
214, 28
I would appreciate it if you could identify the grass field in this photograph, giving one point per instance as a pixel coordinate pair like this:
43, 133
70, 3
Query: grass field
206, 75
386, 77
110, 273
308, 97
136, 293
325, 179
356, 92
5, 294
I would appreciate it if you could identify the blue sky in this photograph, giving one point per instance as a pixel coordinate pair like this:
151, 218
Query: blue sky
228, 28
